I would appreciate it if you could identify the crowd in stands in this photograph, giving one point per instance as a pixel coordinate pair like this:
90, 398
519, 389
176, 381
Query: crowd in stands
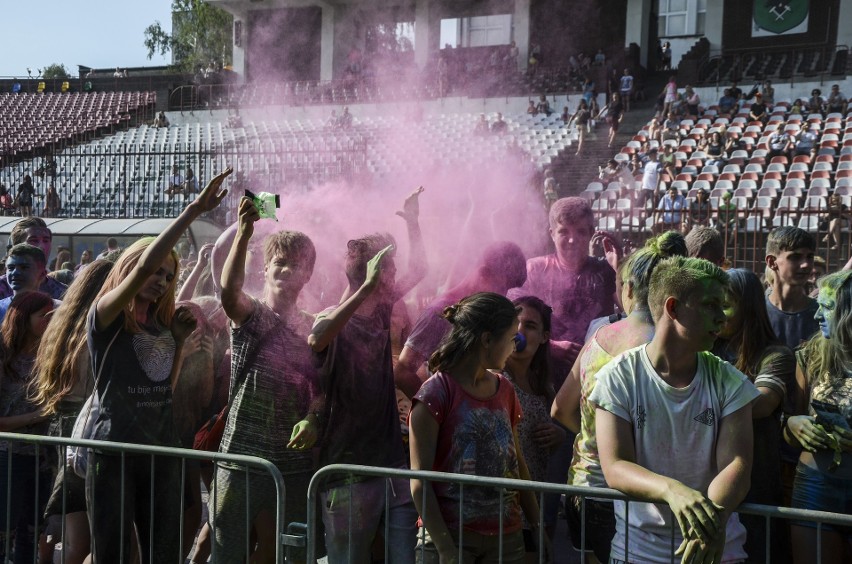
586, 347
748, 163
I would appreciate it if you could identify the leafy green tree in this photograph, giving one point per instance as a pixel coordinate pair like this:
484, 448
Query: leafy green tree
201, 36
55, 70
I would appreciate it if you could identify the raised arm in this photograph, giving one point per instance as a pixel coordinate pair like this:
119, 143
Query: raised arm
113, 303
405, 372
417, 258
327, 328
188, 288
236, 303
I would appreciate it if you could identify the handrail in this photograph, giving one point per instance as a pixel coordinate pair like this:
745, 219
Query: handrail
151, 450
821, 517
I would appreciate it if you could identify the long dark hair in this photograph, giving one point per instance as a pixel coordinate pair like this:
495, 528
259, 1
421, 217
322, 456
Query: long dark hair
15, 329
539, 372
484, 312
755, 332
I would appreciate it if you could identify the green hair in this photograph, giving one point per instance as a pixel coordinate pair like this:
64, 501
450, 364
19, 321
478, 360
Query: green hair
678, 277
641, 264
832, 357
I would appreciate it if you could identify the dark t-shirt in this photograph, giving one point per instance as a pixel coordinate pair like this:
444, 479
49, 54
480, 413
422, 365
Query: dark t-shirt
134, 388
430, 328
614, 111
25, 195
793, 329
576, 297
50, 286
776, 371
362, 420
273, 382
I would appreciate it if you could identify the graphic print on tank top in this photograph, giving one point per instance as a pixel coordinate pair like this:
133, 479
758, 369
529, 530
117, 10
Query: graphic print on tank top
155, 353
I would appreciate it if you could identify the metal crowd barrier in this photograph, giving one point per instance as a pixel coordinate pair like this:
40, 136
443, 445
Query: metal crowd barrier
292, 537
821, 518
44, 443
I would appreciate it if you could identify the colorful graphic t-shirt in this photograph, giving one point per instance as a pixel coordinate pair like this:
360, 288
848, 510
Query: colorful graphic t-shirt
273, 382
586, 464
475, 437
134, 389
689, 419
576, 297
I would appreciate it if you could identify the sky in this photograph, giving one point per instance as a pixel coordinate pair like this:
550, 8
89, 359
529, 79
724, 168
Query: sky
94, 33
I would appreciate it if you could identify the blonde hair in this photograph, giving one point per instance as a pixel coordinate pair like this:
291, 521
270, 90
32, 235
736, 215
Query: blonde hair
164, 308
57, 363
829, 359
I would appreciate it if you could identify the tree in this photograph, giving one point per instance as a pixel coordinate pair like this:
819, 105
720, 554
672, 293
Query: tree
55, 70
200, 37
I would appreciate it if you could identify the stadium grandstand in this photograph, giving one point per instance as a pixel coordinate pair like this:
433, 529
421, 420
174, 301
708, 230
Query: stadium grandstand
733, 114
112, 161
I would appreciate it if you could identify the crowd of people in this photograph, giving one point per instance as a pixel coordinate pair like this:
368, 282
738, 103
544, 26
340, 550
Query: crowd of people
655, 372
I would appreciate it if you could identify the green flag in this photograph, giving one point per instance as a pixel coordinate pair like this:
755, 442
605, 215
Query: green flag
780, 17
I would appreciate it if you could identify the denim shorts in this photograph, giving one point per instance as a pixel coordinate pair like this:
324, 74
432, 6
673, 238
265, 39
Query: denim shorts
600, 525
816, 490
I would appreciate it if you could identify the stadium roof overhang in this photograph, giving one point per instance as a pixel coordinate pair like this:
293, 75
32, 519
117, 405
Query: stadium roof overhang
200, 229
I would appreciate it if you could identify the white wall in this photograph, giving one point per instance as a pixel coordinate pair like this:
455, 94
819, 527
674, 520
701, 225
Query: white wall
457, 105
680, 46
638, 18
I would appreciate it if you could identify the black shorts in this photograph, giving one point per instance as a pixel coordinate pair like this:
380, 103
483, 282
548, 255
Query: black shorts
600, 525
613, 123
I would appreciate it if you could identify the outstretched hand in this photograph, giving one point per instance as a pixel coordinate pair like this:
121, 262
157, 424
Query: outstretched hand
411, 208
374, 266
248, 215
211, 197
609, 245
